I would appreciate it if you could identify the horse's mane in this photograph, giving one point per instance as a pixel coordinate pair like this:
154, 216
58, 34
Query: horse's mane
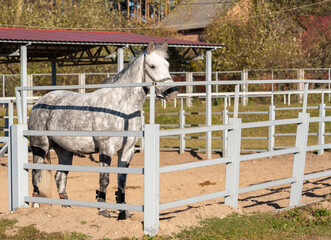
158, 50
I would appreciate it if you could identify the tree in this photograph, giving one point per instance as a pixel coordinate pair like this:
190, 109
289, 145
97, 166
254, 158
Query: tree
273, 34
255, 35
316, 40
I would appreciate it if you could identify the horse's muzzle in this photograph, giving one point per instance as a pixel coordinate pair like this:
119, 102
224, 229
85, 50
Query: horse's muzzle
170, 94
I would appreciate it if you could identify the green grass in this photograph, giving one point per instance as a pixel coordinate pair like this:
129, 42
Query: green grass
30, 232
308, 222
292, 224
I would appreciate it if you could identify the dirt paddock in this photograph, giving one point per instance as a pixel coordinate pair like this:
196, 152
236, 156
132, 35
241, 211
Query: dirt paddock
173, 186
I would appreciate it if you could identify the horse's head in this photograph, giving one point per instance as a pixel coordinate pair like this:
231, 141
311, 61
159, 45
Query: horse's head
156, 69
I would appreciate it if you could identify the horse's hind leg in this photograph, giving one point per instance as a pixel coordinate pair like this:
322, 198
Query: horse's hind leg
39, 155
65, 158
104, 161
124, 159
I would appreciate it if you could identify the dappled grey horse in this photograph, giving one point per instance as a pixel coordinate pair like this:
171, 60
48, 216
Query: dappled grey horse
106, 109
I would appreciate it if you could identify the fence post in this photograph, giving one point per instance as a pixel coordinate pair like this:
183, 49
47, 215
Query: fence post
236, 102
120, 59
30, 92
189, 89
208, 102
4, 86
225, 132
305, 98
164, 103
151, 179
321, 128
142, 143
244, 87
301, 76
81, 82
232, 168
216, 86
181, 126
299, 160
18, 178
24, 82
152, 105
329, 85
7, 118
271, 138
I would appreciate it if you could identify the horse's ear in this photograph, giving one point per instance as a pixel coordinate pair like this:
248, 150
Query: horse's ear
150, 48
165, 46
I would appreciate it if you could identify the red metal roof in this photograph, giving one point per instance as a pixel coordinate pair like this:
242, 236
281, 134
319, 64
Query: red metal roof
77, 47
90, 37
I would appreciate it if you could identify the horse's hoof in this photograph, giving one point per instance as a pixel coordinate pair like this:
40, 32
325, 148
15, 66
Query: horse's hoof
65, 197
105, 213
66, 206
123, 215
35, 205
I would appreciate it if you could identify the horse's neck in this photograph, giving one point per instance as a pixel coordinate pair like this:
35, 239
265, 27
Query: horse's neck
133, 73
132, 96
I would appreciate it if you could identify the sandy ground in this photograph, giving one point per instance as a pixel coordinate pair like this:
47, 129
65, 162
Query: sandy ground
173, 186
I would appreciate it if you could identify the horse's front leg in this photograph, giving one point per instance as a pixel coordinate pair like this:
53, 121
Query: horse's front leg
104, 161
124, 159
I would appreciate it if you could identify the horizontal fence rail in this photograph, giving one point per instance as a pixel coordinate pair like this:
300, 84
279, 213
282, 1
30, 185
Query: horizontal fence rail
116, 206
186, 166
266, 185
84, 133
60, 167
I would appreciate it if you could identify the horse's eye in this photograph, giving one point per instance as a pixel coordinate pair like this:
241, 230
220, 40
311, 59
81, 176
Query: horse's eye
152, 66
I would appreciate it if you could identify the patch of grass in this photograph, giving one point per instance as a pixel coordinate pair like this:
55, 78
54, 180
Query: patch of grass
298, 223
6, 224
30, 232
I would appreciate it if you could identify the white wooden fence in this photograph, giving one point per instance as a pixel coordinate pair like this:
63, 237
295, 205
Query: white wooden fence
181, 115
19, 166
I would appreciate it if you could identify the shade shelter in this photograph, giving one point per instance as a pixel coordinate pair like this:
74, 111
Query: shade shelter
65, 48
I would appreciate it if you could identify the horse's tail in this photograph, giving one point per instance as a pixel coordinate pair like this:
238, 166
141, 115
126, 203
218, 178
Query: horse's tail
45, 189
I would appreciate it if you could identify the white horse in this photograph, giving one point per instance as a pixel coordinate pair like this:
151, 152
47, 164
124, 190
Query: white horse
107, 109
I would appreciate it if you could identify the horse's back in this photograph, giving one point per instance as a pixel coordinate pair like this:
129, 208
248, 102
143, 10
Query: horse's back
42, 109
